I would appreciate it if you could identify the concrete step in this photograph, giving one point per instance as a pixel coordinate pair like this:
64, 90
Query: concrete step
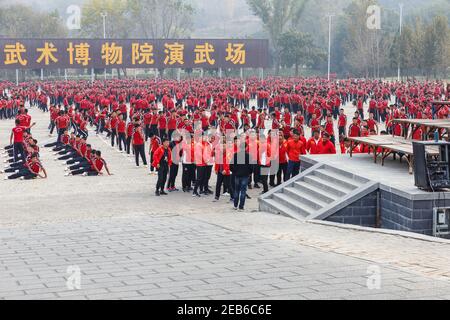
319, 193
278, 208
328, 186
347, 174
301, 208
337, 179
305, 198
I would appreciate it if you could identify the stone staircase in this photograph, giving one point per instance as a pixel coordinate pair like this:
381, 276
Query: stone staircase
316, 193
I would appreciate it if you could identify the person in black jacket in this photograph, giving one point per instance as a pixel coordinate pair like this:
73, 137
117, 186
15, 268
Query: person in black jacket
241, 169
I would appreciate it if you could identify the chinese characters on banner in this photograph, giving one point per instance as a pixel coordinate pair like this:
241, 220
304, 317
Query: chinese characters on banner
132, 53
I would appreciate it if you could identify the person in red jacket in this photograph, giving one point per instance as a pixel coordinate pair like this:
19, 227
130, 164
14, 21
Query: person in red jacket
155, 143
129, 135
313, 142
354, 130
282, 162
138, 140
325, 146
121, 133
222, 169
342, 123
203, 157
294, 149
162, 160
264, 161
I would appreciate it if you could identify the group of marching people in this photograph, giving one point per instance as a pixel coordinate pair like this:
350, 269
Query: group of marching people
135, 112
240, 161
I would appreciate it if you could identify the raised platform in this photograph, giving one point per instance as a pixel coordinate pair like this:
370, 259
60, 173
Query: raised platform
400, 205
356, 191
392, 177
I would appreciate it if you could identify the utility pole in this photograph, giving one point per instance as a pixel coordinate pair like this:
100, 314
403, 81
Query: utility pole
330, 16
399, 50
104, 15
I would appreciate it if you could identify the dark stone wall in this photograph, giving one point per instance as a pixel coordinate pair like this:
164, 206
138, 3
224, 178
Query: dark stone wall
362, 212
399, 213
305, 165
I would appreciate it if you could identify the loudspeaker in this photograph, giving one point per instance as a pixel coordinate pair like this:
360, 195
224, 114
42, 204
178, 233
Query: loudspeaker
431, 171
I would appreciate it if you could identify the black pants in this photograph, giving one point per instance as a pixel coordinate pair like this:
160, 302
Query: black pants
75, 159
170, 133
113, 136
202, 179
122, 139
25, 173
172, 175
225, 180
83, 133
153, 130
188, 175
89, 171
293, 169
52, 126
68, 156
256, 174
162, 178
263, 178
208, 175
147, 132
139, 150
282, 171
128, 144
18, 150
60, 134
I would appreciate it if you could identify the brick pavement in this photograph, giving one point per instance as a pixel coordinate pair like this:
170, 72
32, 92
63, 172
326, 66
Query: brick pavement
177, 257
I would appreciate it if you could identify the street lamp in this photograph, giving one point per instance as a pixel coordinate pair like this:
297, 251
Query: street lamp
330, 16
399, 54
104, 15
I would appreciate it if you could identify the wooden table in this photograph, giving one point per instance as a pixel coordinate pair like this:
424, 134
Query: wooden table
386, 145
374, 142
404, 150
430, 125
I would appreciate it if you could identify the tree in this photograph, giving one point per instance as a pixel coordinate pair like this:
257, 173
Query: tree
298, 49
417, 45
20, 21
402, 50
276, 16
436, 46
361, 51
118, 22
162, 18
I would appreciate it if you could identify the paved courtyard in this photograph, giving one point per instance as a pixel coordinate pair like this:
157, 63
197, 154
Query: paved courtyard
111, 238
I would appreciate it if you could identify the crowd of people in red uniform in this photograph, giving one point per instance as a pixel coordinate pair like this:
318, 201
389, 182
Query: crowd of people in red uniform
23, 151
174, 117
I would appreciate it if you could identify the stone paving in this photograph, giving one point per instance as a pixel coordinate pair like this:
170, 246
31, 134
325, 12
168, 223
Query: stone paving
176, 257
128, 244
